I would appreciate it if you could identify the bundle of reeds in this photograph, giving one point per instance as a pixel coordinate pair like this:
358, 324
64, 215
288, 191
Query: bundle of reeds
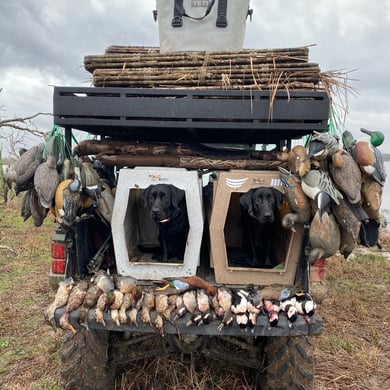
129, 66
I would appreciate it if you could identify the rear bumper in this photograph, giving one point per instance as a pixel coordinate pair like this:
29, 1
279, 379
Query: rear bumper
298, 328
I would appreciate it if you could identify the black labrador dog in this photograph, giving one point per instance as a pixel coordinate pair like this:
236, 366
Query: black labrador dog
261, 209
168, 208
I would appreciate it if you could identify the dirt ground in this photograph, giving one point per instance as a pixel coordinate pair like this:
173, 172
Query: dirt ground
353, 352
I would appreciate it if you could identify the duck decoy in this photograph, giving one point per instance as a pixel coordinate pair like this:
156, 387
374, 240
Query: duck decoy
25, 167
322, 146
46, 180
346, 175
38, 213
297, 161
347, 219
369, 157
318, 185
324, 236
372, 197
296, 199
25, 209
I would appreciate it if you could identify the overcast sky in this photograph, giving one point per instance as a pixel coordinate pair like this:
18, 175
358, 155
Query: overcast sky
43, 43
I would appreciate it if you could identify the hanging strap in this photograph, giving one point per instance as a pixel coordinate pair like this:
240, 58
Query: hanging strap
221, 16
179, 12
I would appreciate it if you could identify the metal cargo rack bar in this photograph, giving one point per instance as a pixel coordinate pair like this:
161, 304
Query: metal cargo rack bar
184, 115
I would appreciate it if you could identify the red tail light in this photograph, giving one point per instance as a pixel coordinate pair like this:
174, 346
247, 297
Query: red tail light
58, 258
57, 251
58, 266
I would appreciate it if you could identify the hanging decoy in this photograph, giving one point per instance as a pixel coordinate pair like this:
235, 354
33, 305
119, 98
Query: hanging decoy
105, 203
46, 180
298, 162
296, 199
324, 236
369, 157
347, 219
372, 197
58, 210
322, 146
25, 167
346, 175
38, 213
318, 185
25, 209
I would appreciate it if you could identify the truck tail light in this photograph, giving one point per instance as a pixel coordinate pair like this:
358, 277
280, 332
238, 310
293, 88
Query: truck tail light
58, 258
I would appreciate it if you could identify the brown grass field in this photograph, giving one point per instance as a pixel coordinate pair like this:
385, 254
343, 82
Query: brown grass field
353, 352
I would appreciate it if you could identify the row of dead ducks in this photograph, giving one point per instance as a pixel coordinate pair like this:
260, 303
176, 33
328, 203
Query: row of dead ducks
128, 303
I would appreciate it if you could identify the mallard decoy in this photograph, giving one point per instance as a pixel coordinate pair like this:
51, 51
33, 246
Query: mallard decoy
318, 185
372, 197
46, 180
324, 236
369, 157
297, 161
25, 167
90, 300
60, 299
346, 175
224, 297
76, 298
296, 199
322, 146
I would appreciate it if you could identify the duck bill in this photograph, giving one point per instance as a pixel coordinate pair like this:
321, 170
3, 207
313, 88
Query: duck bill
365, 131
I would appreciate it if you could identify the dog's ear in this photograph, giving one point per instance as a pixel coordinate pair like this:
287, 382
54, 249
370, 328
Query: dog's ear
146, 195
246, 201
177, 196
278, 197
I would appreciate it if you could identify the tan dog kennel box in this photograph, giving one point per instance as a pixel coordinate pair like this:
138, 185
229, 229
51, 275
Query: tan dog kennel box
134, 231
226, 231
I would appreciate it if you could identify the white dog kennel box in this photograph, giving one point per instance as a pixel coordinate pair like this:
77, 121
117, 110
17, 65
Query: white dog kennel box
135, 234
226, 232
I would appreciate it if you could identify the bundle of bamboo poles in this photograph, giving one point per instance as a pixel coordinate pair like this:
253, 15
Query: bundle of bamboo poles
134, 66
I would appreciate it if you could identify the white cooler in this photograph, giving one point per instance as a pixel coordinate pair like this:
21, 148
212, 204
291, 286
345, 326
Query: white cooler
198, 25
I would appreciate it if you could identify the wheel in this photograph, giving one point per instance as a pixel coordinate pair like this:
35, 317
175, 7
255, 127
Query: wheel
289, 363
84, 361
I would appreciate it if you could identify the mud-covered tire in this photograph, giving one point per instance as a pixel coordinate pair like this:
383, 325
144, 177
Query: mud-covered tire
289, 363
85, 362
